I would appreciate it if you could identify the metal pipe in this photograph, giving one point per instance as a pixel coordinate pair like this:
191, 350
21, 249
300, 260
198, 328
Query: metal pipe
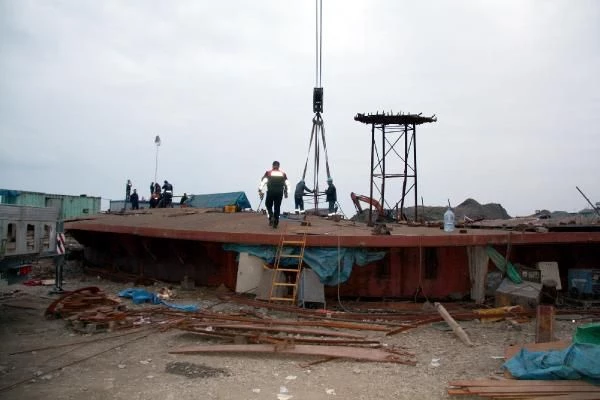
372, 160
588, 200
415, 167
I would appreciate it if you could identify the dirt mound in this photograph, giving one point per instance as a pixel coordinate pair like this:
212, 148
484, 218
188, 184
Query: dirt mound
469, 208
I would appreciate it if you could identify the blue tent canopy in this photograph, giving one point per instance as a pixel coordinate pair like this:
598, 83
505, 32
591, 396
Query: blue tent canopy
218, 200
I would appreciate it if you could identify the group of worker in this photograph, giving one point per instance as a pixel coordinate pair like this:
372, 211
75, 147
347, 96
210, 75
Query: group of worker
276, 183
278, 186
160, 199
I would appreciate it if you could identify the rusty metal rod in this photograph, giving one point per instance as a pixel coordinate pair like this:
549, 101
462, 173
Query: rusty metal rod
588, 200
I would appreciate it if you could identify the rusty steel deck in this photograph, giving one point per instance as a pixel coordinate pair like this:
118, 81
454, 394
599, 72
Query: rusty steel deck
252, 228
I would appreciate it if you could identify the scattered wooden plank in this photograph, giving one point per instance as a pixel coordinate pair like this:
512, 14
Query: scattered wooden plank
570, 396
555, 389
356, 353
525, 389
515, 382
458, 330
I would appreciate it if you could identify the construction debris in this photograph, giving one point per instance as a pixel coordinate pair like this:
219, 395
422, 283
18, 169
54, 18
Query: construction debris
363, 354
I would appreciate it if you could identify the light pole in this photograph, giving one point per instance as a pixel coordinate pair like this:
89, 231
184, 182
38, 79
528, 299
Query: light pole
157, 143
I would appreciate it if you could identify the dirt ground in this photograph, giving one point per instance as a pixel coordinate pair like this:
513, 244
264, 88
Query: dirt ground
139, 366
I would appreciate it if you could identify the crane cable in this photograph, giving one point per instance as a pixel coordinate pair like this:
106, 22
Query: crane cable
317, 120
318, 41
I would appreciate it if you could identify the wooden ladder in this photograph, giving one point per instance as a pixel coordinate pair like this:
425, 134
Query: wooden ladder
287, 277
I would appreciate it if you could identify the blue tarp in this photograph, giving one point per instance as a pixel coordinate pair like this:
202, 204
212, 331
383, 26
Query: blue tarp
324, 261
9, 193
578, 361
140, 296
219, 200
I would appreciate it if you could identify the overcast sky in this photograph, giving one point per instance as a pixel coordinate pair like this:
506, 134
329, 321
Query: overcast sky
85, 86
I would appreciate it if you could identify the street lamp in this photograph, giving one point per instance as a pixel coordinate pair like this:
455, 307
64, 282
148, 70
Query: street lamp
157, 143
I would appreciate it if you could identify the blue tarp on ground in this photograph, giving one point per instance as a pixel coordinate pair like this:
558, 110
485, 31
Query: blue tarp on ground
578, 361
219, 200
140, 296
332, 265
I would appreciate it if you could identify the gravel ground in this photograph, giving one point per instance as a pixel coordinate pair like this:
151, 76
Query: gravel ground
138, 366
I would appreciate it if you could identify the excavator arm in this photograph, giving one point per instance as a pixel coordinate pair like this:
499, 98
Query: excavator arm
357, 198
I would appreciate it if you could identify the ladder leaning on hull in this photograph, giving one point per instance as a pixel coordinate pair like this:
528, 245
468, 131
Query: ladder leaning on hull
286, 277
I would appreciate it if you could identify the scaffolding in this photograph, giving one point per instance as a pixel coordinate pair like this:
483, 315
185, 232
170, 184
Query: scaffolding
393, 156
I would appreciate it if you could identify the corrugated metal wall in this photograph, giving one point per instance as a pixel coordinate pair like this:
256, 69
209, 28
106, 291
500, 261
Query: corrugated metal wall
69, 206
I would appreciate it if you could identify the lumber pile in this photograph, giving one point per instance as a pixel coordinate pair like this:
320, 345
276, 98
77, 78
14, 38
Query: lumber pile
525, 389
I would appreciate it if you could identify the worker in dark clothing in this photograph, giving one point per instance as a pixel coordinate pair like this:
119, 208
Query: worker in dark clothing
183, 199
135, 205
301, 189
151, 189
167, 194
278, 186
154, 200
127, 190
331, 194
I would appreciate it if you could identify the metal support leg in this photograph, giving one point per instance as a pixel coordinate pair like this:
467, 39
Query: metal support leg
58, 274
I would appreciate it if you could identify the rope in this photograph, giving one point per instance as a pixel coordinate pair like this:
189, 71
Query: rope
325, 148
312, 133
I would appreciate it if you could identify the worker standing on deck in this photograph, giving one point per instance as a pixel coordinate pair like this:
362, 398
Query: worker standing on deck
135, 205
278, 186
301, 189
167, 194
331, 193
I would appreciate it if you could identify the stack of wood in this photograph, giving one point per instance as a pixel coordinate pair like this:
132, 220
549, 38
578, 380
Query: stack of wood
525, 389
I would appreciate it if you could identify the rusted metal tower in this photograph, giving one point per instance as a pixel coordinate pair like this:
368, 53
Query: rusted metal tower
393, 155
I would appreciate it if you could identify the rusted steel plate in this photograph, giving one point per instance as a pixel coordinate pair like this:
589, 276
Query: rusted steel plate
250, 228
274, 328
355, 353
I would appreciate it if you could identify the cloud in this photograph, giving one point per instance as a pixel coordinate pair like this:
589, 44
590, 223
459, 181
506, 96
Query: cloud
87, 85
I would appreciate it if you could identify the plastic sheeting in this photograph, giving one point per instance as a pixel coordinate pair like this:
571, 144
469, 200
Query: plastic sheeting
332, 265
578, 361
219, 200
140, 296
588, 333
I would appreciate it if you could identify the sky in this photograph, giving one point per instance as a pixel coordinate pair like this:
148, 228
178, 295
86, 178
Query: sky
85, 87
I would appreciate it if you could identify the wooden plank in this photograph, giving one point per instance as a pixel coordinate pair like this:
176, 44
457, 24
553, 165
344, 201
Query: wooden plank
536, 389
356, 353
516, 382
570, 396
456, 328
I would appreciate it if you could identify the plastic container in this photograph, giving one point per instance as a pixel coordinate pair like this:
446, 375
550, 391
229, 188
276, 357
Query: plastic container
449, 220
